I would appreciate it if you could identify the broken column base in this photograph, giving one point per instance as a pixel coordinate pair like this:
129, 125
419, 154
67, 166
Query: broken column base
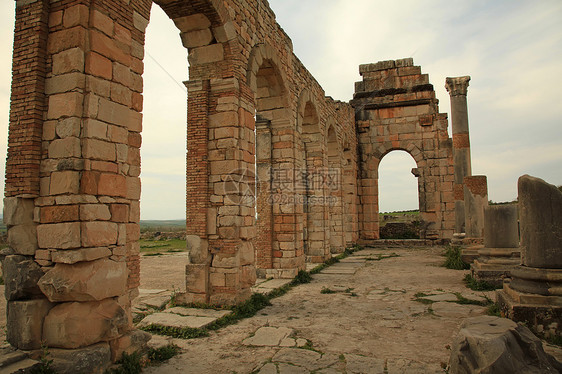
541, 313
493, 265
458, 238
469, 254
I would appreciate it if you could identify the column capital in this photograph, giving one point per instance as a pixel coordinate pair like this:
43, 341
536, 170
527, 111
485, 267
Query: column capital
457, 86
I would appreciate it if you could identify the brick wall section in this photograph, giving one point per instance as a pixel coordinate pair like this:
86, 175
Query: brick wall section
27, 102
397, 110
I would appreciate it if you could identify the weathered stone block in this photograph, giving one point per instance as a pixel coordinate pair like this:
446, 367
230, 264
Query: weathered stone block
80, 255
206, 54
497, 345
94, 212
76, 325
93, 359
68, 61
112, 185
192, 22
98, 234
59, 236
59, 213
65, 105
21, 275
18, 211
197, 38
197, 277
63, 148
85, 281
25, 323
23, 239
540, 209
135, 341
65, 182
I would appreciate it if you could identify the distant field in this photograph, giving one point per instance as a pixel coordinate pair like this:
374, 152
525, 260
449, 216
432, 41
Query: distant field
156, 225
151, 247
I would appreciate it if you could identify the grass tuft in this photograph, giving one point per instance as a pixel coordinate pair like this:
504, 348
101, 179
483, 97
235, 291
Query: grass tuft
453, 259
477, 285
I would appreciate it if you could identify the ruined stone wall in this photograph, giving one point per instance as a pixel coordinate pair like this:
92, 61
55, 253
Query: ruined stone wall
73, 168
397, 110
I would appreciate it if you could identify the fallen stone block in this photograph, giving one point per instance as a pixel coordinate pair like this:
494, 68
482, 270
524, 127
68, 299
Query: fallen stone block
489, 344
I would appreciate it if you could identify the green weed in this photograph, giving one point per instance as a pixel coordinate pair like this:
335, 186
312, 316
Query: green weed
453, 259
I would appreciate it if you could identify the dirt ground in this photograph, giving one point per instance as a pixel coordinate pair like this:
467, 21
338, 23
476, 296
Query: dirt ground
370, 324
377, 322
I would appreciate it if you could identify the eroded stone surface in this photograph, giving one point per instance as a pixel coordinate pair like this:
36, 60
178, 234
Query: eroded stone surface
268, 336
76, 325
85, 281
21, 275
497, 345
175, 320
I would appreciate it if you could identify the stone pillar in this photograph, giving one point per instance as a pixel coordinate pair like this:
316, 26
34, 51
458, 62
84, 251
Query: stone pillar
220, 194
264, 223
475, 200
534, 294
457, 88
501, 245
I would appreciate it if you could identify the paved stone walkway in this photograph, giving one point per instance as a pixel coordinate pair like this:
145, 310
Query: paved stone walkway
358, 316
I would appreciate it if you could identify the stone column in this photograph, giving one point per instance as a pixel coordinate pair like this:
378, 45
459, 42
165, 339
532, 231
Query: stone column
457, 88
264, 223
501, 245
534, 294
475, 200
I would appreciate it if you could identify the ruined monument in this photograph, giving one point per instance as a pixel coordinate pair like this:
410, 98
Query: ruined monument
500, 252
534, 294
72, 172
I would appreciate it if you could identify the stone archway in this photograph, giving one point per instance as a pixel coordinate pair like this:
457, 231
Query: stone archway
73, 187
397, 109
334, 188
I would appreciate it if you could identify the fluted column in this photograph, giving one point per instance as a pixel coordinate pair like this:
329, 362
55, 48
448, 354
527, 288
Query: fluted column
457, 88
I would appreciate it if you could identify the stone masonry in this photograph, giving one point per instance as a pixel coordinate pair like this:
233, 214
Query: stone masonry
72, 174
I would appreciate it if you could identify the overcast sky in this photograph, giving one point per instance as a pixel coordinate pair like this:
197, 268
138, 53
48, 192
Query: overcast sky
511, 49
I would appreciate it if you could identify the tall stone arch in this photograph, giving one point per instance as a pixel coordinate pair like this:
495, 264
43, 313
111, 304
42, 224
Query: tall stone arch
334, 187
278, 244
73, 186
396, 109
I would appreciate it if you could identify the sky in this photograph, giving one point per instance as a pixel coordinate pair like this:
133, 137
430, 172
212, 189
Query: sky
512, 50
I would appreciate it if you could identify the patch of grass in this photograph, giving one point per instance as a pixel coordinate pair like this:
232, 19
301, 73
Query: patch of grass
453, 259
477, 285
301, 278
327, 291
158, 355
464, 301
45, 366
554, 340
151, 247
129, 364
494, 310
176, 332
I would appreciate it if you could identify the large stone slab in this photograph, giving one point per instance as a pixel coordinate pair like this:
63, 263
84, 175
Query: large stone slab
497, 345
211, 313
268, 336
77, 325
453, 310
175, 320
85, 281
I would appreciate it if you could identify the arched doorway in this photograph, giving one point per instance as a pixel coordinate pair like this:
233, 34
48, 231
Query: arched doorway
398, 194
